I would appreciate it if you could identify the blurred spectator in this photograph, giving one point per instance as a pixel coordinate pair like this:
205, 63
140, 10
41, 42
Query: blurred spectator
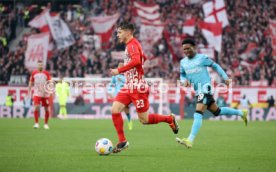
270, 102
244, 103
79, 100
9, 100
27, 103
221, 101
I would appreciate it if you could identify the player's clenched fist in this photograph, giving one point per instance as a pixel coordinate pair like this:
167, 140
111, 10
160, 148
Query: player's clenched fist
228, 82
114, 72
185, 83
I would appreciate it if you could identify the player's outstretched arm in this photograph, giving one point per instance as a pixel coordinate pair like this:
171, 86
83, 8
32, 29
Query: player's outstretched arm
210, 63
220, 71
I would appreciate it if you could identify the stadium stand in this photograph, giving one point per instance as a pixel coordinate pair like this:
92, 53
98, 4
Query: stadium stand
246, 44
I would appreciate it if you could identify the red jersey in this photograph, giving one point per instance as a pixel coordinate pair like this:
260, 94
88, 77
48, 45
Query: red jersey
133, 65
40, 80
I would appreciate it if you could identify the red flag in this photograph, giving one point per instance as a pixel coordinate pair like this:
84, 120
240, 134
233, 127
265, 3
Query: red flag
40, 21
215, 12
212, 33
103, 27
189, 26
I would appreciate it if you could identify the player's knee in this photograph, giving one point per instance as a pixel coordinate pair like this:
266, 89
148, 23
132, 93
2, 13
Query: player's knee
217, 112
115, 109
46, 109
36, 108
199, 112
143, 120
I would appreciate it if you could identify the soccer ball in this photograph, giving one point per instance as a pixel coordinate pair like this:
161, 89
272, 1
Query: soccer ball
103, 146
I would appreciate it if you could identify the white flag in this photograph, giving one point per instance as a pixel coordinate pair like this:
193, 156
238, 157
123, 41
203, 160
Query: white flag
215, 12
37, 49
60, 32
213, 34
40, 20
189, 26
103, 24
103, 27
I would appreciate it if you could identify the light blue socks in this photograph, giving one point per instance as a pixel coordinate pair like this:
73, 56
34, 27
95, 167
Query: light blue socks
198, 120
196, 126
230, 111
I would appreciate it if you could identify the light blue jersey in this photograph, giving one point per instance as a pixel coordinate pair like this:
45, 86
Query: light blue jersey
195, 71
117, 82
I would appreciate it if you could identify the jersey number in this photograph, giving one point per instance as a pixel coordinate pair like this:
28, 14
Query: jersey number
140, 103
200, 97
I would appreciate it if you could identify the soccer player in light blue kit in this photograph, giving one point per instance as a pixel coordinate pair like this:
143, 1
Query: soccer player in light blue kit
118, 82
193, 71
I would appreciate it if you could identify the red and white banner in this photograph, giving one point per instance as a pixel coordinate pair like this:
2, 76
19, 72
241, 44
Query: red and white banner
215, 12
37, 49
60, 32
103, 26
254, 94
148, 16
151, 28
146, 11
213, 34
189, 26
149, 34
40, 21
272, 27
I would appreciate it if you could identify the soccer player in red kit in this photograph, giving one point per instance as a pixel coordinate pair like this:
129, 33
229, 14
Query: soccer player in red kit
39, 79
136, 90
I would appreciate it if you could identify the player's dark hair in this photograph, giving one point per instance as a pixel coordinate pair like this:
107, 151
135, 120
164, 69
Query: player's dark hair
127, 26
188, 41
39, 61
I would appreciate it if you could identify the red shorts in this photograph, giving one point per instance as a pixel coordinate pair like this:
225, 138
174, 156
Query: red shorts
140, 100
43, 100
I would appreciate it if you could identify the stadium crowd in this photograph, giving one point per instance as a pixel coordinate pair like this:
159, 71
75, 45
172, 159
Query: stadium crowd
249, 21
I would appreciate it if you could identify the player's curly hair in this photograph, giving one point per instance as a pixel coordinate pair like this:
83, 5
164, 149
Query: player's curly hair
127, 26
188, 41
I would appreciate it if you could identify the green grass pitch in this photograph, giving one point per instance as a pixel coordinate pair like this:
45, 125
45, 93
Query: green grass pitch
69, 146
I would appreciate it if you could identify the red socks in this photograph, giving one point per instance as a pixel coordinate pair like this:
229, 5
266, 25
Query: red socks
156, 118
47, 115
119, 125
36, 116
